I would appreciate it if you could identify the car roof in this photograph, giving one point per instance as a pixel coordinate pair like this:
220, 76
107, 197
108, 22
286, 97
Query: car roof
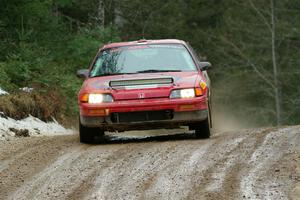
143, 41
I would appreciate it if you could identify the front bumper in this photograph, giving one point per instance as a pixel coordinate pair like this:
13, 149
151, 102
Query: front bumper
176, 105
183, 112
184, 118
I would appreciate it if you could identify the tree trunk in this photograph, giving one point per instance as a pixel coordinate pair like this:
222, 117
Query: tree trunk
101, 13
275, 68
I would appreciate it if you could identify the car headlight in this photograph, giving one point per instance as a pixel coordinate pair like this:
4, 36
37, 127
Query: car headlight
99, 98
183, 93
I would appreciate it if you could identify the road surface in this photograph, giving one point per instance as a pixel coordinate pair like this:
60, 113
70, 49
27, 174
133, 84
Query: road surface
247, 164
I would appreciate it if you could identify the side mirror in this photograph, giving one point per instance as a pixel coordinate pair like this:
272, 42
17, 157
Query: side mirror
82, 73
204, 65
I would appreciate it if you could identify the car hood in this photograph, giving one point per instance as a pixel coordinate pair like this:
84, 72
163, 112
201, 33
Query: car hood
142, 85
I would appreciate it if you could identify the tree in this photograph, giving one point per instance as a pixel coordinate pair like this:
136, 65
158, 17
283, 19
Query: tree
253, 40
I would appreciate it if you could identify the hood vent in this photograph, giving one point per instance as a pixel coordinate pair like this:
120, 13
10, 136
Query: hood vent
139, 82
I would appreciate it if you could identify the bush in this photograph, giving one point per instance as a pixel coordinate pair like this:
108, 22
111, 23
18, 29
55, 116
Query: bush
43, 105
48, 67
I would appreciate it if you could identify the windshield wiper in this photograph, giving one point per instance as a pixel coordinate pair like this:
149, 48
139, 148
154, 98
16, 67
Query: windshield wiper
155, 70
110, 74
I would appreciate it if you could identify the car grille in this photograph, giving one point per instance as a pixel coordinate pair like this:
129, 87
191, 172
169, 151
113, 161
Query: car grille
122, 83
141, 116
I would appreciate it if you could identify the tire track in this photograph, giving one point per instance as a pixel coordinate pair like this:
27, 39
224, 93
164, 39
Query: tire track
137, 165
222, 179
273, 148
250, 164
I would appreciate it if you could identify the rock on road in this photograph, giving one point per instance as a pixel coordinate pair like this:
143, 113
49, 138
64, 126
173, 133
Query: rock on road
248, 164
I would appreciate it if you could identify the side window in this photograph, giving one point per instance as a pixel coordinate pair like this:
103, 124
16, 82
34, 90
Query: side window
193, 52
97, 66
198, 60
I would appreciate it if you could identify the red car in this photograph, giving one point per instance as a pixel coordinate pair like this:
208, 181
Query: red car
145, 84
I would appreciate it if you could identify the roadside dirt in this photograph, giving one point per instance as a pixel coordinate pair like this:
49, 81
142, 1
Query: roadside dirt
248, 164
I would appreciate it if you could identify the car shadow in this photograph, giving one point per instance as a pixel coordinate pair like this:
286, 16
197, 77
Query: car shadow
111, 139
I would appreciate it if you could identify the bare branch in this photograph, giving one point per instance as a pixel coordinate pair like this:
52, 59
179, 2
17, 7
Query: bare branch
261, 15
239, 51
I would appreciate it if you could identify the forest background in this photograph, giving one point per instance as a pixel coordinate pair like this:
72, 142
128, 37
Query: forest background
252, 44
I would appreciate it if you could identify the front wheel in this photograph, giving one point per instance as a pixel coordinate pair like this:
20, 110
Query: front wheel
90, 135
202, 130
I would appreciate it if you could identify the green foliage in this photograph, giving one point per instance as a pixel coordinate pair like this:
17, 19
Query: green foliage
43, 48
17, 70
87, 42
4, 78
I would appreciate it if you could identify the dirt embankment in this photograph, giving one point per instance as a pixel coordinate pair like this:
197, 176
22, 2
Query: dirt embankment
253, 164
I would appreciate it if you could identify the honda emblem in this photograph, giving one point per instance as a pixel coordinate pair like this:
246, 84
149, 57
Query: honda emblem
141, 95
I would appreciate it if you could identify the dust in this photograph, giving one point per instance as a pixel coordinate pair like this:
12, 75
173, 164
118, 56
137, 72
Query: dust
225, 120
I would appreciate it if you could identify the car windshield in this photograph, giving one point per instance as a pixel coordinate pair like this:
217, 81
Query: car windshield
143, 59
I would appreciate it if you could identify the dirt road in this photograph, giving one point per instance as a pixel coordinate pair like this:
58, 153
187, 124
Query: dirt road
249, 164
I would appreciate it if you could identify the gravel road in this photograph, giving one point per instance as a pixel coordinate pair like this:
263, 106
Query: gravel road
247, 164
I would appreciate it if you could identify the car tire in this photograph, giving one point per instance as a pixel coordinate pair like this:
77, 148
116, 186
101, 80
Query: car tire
209, 113
90, 135
202, 130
